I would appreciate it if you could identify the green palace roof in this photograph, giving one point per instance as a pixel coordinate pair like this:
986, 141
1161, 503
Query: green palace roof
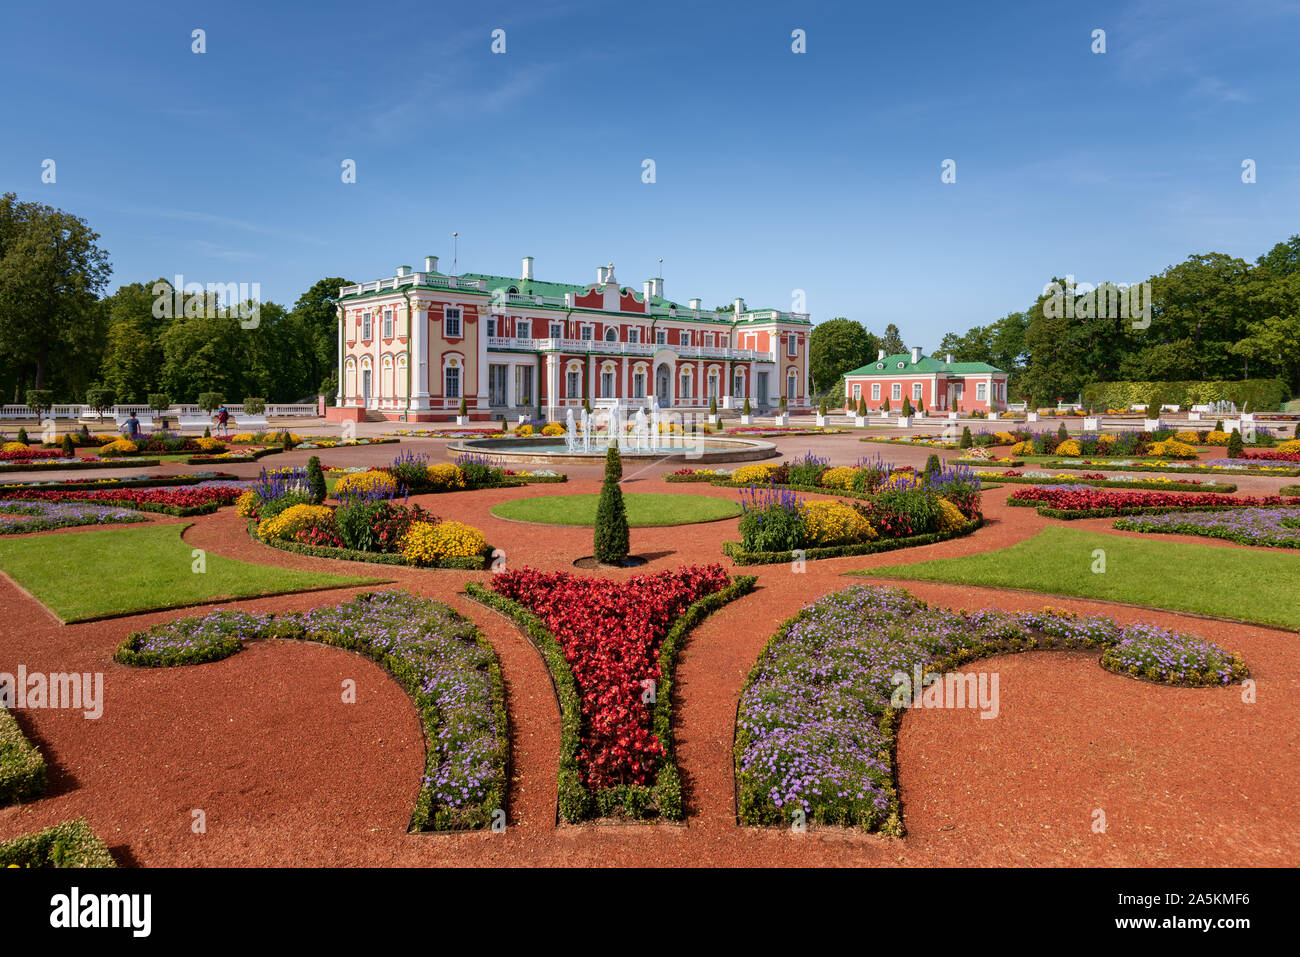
902, 364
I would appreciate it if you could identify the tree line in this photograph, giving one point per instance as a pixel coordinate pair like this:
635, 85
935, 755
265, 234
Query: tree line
59, 332
1210, 317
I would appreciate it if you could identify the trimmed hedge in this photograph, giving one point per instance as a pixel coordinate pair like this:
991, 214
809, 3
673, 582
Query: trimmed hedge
70, 844
1048, 512
576, 803
1262, 395
734, 551
22, 768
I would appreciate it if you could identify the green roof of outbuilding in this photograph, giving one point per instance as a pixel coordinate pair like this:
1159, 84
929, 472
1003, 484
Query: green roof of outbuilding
927, 366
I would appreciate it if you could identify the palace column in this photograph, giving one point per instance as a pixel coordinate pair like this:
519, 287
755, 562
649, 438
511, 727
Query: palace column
481, 375
552, 385
338, 393
416, 319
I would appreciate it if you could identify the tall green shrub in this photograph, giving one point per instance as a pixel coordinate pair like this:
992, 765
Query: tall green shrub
315, 480
966, 440
1234, 444
611, 537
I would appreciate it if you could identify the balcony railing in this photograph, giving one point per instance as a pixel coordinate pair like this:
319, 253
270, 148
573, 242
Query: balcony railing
605, 347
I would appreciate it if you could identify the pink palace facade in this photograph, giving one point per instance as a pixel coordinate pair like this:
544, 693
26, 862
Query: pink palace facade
412, 346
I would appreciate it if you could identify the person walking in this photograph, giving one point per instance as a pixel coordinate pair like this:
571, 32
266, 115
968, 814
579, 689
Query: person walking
223, 420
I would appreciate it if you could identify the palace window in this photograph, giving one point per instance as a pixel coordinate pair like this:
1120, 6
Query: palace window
634, 336
587, 333
896, 392
574, 382
611, 334
875, 391
638, 385
452, 379
451, 322
607, 385
916, 391
523, 328
857, 392
557, 330
684, 337
388, 323
792, 346
661, 337
492, 326
980, 391
365, 326
685, 392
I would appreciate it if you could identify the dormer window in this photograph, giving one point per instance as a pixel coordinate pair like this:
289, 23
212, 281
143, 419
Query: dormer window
880, 365
902, 364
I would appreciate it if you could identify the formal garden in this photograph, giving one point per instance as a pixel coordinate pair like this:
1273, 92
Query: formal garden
680, 658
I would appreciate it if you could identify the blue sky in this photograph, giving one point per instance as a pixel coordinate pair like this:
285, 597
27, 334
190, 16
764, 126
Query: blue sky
774, 171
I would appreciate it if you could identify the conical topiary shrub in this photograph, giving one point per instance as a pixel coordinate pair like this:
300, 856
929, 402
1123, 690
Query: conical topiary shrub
746, 410
463, 409
1062, 433
907, 407
931, 469
862, 407
1234, 444
713, 405
821, 410
69, 451
885, 406
315, 480
966, 440
611, 538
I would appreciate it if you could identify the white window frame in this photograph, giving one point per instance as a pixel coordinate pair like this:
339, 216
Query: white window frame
388, 323
492, 327
573, 384
661, 337
366, 328
608, 383
684, 383
523, 328
587, 332
634, 336
875, 392
450, 330
557, 330
981, 392
451, 382
896, 392
611, 334
857, 391
918, 389
792, 385
683, 337
792, 346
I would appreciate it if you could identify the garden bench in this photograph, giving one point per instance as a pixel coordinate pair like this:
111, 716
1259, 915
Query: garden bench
249, 423
195, 422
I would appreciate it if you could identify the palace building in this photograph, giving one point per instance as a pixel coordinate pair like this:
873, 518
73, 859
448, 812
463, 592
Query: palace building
945, 386
411, 347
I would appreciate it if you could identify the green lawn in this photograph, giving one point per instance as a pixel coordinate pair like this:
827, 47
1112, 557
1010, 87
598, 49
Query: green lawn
1245, 584
643, 509
121, 571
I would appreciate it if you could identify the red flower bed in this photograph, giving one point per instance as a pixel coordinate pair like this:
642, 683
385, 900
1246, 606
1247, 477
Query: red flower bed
1079, 500
610, 631
1272, 455
182, 496
28, 455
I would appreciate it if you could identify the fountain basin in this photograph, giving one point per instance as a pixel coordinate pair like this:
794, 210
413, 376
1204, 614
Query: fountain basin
692, 449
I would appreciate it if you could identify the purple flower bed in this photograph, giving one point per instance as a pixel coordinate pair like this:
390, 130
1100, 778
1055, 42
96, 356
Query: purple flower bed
1273, 527
1253, 464
448, 670
40, 516
815, 729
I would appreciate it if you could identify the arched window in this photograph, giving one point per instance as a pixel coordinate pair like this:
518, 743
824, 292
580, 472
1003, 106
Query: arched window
611, 334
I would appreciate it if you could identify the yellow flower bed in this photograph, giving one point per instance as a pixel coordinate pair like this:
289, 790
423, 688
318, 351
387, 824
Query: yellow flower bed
247, 504
552, 428
362, 483
1191, 438
834, 523
752, 473
293, 520
242, 437
524, 431
1290, 447
1171, 448
13, 447
425, 544
839, 477
1106, 438
1069, 447
950, 516
904, 480
1023, 448
119, 447
446, 477
208, 444
1216, 438
1003, 438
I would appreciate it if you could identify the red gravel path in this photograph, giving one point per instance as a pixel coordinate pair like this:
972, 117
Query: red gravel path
288, 774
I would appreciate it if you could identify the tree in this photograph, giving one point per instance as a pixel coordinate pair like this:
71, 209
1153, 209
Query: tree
907, 406
99, 399
967, 440
835, 347
315, 320
209, 402
160, 402
51, 273
611, 536
40, 401
1283, 259
1234, 444
893, 341
315, 480
133, 350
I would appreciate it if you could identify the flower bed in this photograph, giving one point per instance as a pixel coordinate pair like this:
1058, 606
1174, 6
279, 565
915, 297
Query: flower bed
611, 647
1100, 481
180, 500
70, 844
22, 769
817, 724
773, 431
17, 452
18, 518
46, 464
921, 440
131, 481
1243, 466
439, 658
1270, 527
1075, 501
